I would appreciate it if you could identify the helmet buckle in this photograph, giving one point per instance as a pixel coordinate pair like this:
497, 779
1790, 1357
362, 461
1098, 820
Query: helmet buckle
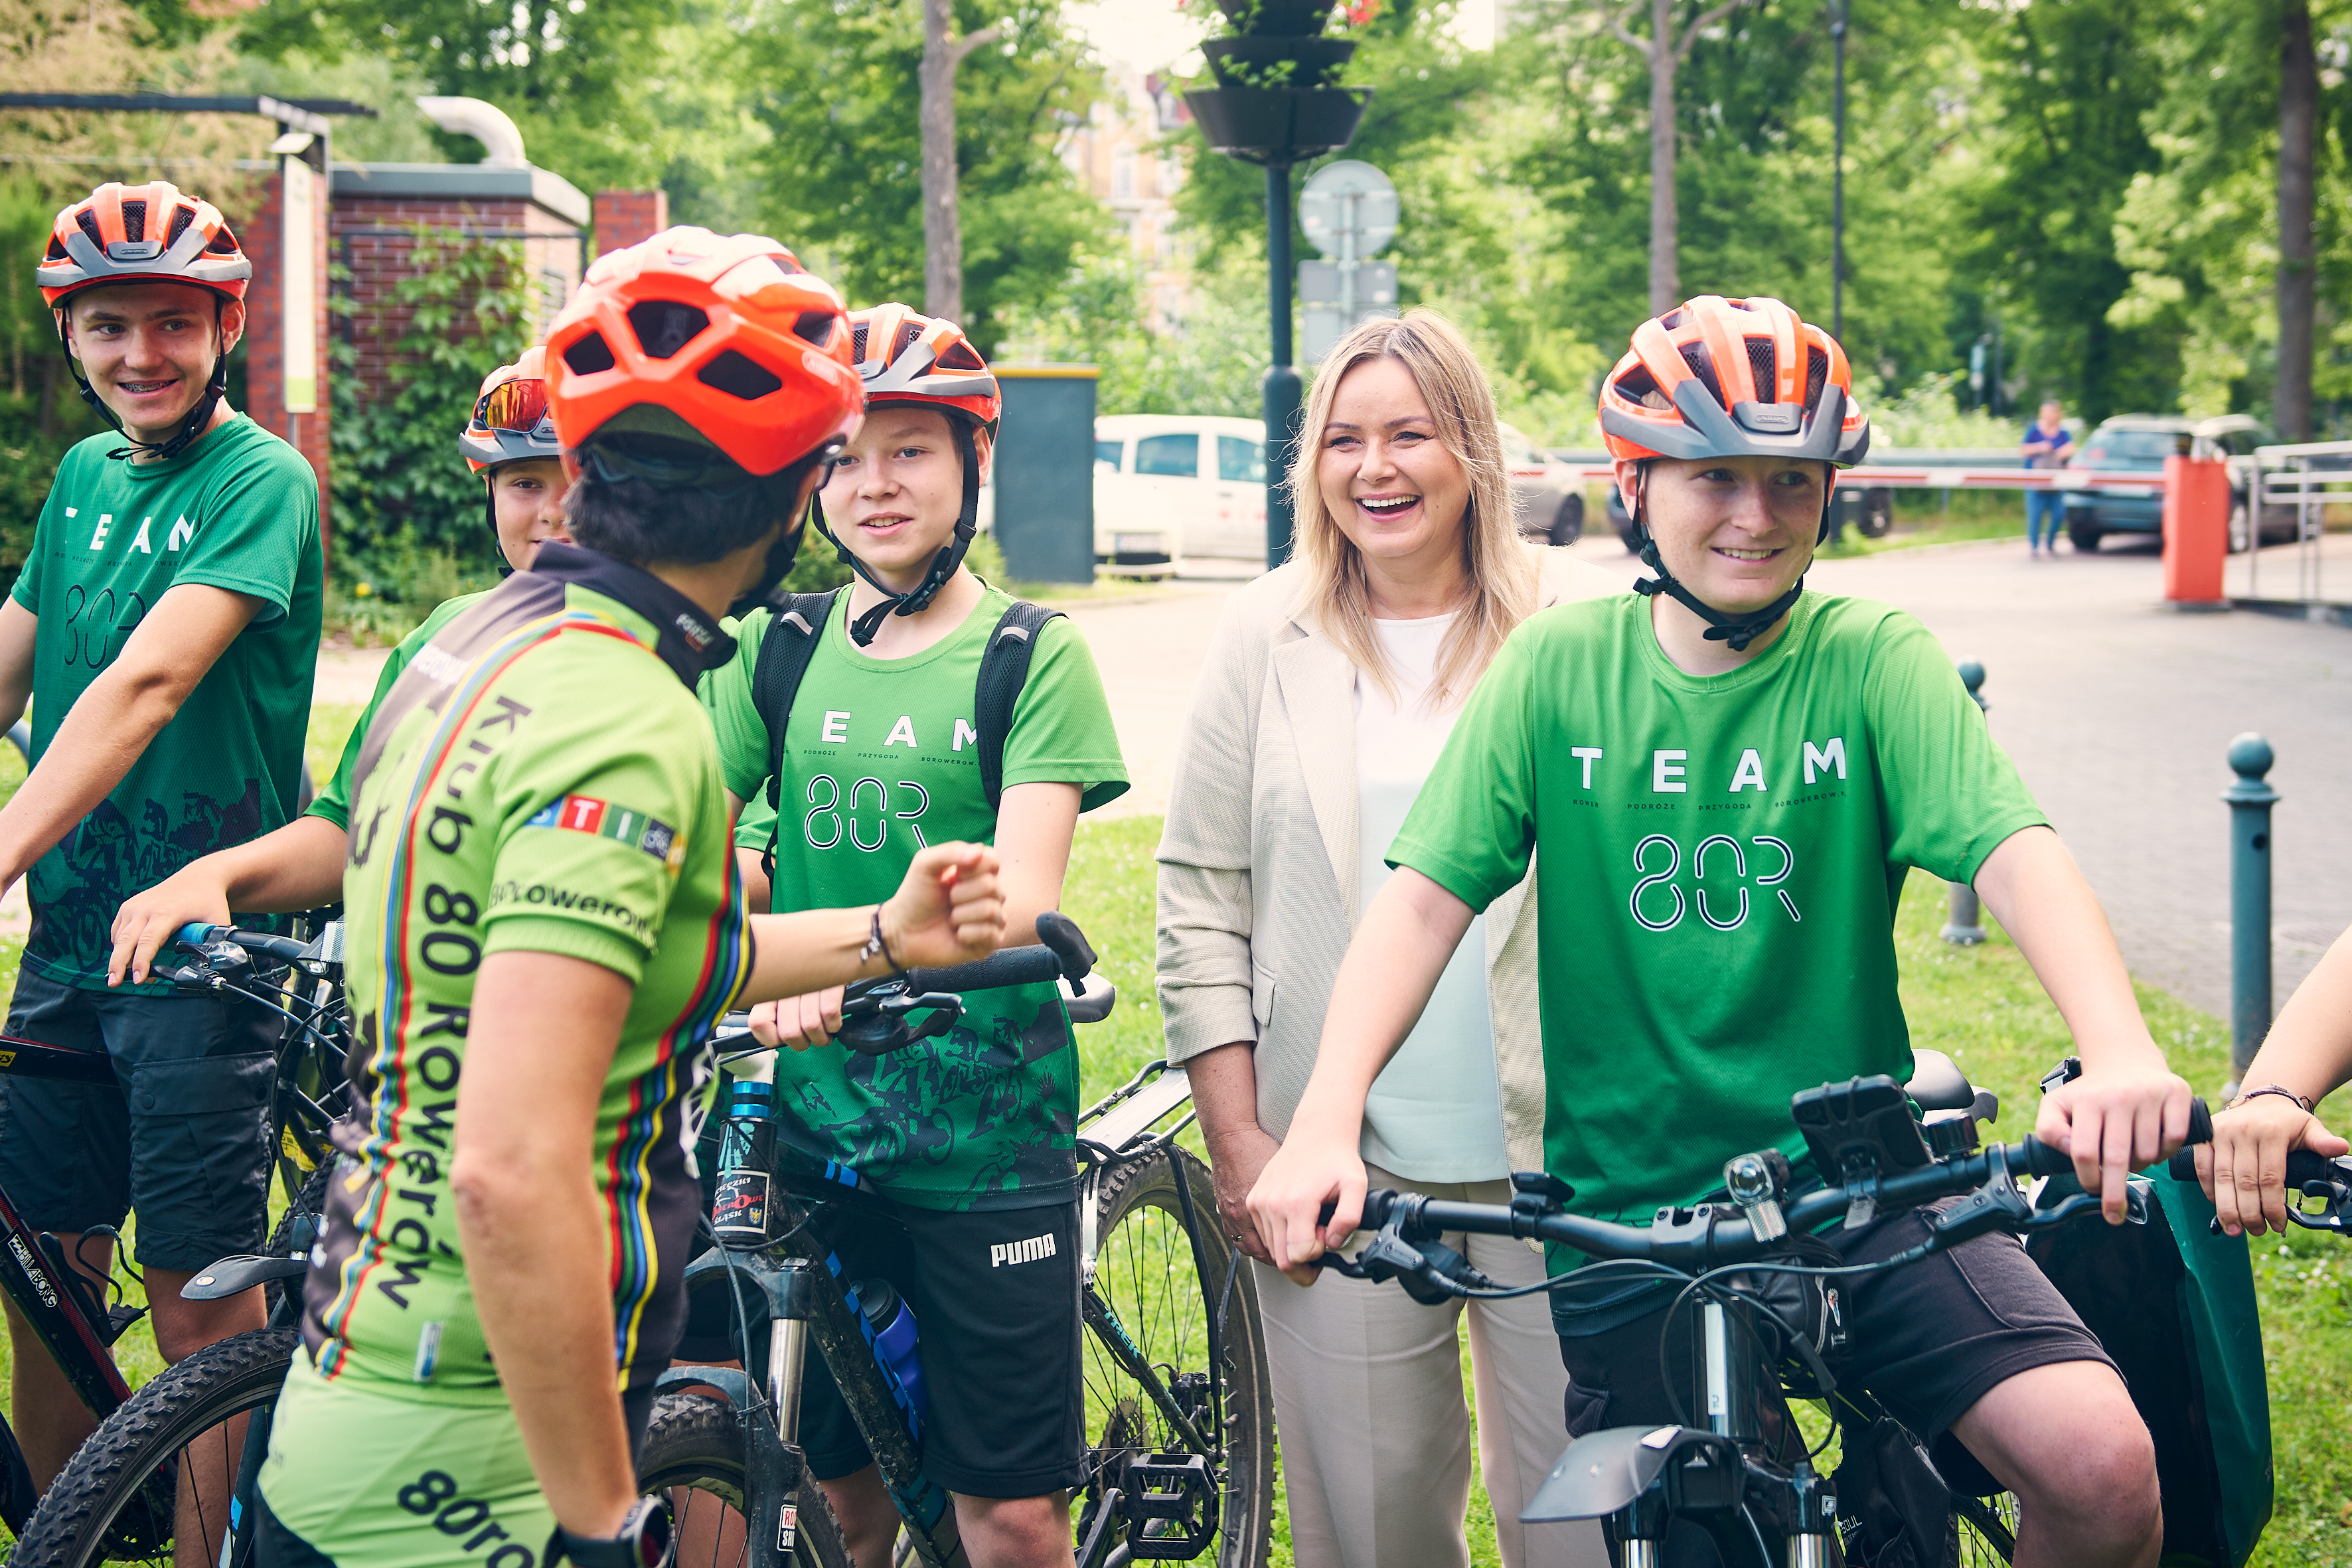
134, 249
1770, 418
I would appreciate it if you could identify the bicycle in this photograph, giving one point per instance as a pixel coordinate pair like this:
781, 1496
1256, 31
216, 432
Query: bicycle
1179, 1423
116, 1498
1765, 1322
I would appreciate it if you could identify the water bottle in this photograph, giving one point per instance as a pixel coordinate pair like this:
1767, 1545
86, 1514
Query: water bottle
742, 1194
890, 1328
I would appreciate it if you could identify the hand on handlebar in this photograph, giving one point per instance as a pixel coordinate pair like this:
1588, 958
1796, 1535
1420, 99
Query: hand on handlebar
2114, 1121
949, 910
147, 921
1306, 1175
799, 1023
2245, 1170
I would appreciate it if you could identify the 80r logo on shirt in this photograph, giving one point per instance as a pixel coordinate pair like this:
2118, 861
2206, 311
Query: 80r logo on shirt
1659, 901
867, 807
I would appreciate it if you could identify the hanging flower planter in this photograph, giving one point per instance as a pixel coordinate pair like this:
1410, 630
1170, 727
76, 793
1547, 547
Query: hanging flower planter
1259, 61
1279, 18
1278, 124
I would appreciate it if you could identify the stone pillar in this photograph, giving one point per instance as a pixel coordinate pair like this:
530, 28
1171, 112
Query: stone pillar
625, 218
266, 368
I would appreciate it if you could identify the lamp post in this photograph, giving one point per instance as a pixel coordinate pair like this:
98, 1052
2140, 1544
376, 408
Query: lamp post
1837, 178
1257, 115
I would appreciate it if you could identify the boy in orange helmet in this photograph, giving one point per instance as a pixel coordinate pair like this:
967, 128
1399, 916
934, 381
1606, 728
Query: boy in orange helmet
165, 630
1723, 782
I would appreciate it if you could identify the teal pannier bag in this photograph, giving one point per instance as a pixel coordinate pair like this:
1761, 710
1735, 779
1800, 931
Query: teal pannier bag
2173, 1304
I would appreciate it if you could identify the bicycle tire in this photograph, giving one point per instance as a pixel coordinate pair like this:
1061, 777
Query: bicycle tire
123, 1466
310, 1200
1162, 1283
1988, 1528
694, 1442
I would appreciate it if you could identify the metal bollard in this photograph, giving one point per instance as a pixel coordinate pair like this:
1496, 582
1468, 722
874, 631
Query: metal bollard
1964, 921
2250, 801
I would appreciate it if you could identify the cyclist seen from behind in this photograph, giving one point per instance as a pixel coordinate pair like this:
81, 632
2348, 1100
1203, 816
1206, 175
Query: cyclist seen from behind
510, 441
545, 923
1721, 812
164, 628
901, 716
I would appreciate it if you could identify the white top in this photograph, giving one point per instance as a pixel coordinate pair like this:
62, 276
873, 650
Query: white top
1436, 1112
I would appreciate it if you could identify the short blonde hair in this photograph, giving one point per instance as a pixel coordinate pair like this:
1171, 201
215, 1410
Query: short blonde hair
1502, 571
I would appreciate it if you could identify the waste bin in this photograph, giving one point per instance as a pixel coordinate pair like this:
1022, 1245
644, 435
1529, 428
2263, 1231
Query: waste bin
1045, 468
2196, 531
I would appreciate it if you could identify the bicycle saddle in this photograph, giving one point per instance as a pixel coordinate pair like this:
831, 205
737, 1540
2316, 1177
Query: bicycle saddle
1937, 1083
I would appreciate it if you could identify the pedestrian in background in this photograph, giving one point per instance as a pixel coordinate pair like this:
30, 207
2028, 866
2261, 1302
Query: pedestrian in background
1331, 686
2046, 445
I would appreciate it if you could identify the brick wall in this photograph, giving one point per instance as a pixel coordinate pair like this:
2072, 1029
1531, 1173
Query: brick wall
263, 238
625, 218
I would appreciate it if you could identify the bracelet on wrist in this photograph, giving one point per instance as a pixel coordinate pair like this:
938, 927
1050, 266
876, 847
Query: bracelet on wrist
876, 947
2280, 1089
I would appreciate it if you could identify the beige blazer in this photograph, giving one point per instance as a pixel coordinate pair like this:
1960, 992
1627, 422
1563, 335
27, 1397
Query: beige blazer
1258, 862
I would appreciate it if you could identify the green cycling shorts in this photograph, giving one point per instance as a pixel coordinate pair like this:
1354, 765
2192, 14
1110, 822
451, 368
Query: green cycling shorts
370, 1476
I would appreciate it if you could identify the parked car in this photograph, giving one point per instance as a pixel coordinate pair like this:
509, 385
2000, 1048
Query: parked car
1173, 485
1547, 494
2139, 443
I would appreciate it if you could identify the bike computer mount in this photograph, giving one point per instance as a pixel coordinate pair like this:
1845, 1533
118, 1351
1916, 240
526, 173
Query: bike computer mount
1859, 1131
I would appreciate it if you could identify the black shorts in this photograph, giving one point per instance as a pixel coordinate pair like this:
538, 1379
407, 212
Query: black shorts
183, 1139
996, 1297
1928, 1340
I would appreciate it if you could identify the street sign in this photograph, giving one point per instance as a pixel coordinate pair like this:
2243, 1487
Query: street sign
1350, 212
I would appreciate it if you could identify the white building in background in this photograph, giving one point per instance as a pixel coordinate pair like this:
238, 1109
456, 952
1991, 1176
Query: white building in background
1118, 153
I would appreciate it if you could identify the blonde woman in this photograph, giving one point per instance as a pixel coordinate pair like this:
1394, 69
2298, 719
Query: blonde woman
1330, 690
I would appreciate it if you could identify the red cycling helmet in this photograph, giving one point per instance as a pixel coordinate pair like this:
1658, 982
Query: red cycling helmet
1733, 378
141, 234
728, 334
510, 421
908, 360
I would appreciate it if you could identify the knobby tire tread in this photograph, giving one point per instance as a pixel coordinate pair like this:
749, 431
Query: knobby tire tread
693, 1436
237, 1374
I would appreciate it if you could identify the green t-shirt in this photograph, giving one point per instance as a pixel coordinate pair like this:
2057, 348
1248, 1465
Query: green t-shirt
540, 779
1718, 859
881, 759
333, 801
239, 509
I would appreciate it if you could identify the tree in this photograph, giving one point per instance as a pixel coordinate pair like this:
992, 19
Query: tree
2298, 276
942, 236
1665, 52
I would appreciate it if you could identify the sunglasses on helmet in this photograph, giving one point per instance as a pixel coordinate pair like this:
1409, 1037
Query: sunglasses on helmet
519, 406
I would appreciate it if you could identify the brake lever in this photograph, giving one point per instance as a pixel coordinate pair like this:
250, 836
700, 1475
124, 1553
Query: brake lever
1430, 1272
2335, 1214
2137, 1195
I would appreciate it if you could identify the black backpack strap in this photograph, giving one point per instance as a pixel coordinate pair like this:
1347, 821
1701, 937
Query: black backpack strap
785, 649
1003, 671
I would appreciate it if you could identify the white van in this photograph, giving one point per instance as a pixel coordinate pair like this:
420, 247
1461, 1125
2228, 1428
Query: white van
1174, 485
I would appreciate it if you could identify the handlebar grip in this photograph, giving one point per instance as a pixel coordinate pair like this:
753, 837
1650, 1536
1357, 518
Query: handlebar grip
2183, 1167
195, 934
1012, 966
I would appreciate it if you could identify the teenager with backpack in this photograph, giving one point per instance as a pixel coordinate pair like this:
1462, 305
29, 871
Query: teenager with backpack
917, 704
165, 630
511, 442
1721, 818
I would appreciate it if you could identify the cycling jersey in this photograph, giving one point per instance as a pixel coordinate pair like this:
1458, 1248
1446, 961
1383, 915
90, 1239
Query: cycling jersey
540, 779
881, 758
1718, 859
237, 509
334, 797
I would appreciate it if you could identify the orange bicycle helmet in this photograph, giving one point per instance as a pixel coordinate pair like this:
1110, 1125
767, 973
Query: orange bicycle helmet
1731, 378
911, 361
143, 234
510, 421
731, 336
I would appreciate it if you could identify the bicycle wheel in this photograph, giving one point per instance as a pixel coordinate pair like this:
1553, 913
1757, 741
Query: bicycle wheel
1988, 1528
694, 1451
1163, 1284
118, 1499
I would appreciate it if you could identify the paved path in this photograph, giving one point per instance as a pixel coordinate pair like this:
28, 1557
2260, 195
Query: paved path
2117, 711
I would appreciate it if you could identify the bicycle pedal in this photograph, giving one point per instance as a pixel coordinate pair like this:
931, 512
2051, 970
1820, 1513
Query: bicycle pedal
1169, 1504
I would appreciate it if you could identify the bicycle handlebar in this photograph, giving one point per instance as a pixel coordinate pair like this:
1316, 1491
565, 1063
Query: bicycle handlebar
284, 948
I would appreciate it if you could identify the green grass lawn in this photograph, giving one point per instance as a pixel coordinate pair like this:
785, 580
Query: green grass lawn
1979, 1004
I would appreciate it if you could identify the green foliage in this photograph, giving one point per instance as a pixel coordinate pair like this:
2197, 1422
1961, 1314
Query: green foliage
1210, 361
401, 489
835, 86
41, 411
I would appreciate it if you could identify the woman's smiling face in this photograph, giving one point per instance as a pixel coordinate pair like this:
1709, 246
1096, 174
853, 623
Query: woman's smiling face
1390, 484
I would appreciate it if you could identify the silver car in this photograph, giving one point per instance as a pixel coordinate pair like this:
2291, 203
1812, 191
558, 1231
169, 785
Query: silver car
1547, 494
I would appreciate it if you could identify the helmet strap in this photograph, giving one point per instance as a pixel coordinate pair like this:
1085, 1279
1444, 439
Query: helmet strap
943, 565
1736, 630
784, 551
